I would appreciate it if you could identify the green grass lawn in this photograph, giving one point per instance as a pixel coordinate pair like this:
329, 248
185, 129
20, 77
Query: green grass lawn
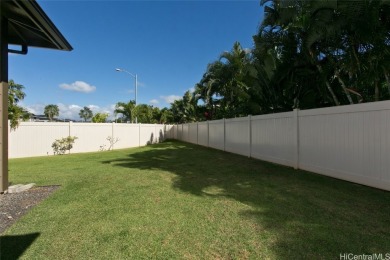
180, 201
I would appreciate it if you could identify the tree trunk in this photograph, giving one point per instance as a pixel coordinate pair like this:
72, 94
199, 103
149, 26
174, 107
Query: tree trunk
387, 80
344, 87
354, 51
329, 87
335, 100
376, 91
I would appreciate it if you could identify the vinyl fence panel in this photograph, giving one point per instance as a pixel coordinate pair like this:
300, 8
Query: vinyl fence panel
346, 142
127, 135
175, 135
217, 134
203, 138
35, 138
193, 133
90, 137
168, 131
349, 142
160, 133
180, 132
185, 133
237, 136
149, 134
273, 138
172, 132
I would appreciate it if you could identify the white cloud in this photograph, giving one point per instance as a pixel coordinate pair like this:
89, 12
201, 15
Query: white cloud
94, 108
36, 109
71, 106
154, 101
69, 111
169, 99
78, 86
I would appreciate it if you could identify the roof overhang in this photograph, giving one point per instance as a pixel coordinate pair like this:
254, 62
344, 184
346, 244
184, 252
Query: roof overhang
28, 25
23, 23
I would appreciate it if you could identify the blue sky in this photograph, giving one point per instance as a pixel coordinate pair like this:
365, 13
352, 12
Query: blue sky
168, 44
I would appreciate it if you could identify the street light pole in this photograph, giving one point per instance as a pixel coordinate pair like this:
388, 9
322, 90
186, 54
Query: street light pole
136, 86
136, 89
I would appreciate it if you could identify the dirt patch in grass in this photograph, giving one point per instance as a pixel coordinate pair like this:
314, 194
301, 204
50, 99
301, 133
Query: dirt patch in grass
15, 205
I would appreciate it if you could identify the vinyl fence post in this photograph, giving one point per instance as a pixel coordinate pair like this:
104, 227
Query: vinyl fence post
188, 132
224, 134
70, 129
197, 132
296, 137
113, 134
250, 135
139, 135
208, 133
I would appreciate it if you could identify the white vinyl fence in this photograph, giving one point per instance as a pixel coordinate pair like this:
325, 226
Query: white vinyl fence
35, 138
347, 142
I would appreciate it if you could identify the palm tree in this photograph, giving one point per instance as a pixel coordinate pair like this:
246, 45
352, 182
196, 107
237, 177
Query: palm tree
209, 88
51, 111
185, 110
308, 54
234, 88
303, 26
15, 92
16, 112
144, 113
223, 88
126, 109
100, 117
86, 113
166, 116
346, 41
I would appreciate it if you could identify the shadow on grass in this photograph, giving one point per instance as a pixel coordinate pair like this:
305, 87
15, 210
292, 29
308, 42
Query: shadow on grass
12, 247
309, 215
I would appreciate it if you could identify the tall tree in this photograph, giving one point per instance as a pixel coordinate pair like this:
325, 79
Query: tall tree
51, 111
144, 113
234, 88
307, 54
166, 116
100, 118
185, 110
16, 112
224, 87
209, 89
127, 110
347, 42
86, 114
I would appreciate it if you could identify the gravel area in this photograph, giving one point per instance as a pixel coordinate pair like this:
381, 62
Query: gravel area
15, 205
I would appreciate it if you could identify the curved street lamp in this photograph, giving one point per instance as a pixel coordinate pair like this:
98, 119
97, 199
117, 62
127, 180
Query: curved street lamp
136, 85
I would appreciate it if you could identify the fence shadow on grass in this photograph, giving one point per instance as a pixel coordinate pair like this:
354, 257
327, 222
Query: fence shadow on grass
311, 216
12, 247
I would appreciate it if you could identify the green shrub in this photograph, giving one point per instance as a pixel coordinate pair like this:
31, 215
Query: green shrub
60, 146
